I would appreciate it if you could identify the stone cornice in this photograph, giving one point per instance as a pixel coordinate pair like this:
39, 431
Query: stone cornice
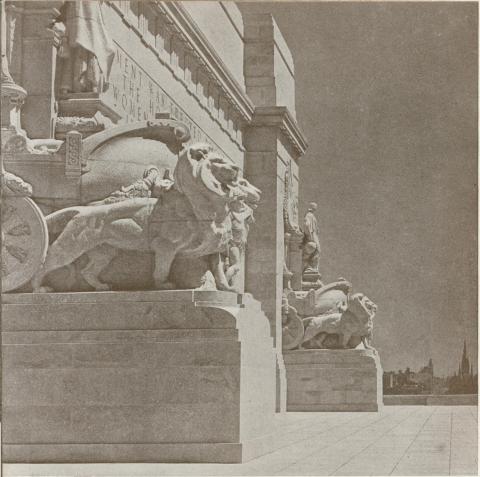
186, 27
280, 117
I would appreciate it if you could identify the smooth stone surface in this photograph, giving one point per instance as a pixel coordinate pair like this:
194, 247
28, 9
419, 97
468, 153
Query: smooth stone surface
398, 440
333, 380
168, 376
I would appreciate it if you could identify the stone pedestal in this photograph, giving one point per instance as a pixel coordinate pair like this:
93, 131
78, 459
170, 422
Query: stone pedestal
160, 376
333, 380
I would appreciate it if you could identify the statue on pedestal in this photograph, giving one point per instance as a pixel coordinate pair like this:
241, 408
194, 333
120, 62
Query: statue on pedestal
311, 249
86, 50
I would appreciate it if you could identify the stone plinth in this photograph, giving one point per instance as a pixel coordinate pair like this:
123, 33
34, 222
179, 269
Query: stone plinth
161, 376
333, 380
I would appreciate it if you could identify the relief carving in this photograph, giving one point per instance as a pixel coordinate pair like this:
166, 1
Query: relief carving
189, 217
84, 125
24, 233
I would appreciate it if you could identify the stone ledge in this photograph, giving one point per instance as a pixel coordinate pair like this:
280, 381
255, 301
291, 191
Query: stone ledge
328, 356
185, 296
341, 407
122, 453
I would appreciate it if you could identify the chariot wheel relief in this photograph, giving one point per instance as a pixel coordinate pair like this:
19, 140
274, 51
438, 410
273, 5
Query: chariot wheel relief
24, 241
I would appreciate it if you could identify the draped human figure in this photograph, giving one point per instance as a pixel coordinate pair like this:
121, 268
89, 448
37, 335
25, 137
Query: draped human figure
86, 51
311, 241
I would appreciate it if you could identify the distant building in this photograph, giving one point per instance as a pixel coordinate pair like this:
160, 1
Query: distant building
465, 381
409, 382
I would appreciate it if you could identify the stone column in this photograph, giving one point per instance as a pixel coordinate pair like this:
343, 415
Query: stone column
268, 150
38, 67
273, 142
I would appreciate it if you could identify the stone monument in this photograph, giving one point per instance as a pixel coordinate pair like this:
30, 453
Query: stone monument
327, 333
150, 189
147, 371
126, 220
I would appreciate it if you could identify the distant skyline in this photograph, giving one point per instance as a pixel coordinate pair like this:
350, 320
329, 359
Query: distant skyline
436, 374
386, 93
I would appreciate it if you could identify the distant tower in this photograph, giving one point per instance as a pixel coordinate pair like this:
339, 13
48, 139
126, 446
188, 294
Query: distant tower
465, 365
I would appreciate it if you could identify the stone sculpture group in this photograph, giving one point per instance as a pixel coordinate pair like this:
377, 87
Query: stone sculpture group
323, 316
203, 212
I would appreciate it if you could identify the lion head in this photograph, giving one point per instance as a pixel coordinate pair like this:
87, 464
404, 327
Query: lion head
363, 308
202, 170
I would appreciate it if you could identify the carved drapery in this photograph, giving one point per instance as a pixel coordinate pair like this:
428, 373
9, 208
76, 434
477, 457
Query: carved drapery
293, 236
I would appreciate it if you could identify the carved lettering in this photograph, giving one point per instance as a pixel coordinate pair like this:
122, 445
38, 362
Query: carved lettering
137, 97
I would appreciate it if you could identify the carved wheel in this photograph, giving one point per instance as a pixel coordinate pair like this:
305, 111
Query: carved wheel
292, 329
24, 241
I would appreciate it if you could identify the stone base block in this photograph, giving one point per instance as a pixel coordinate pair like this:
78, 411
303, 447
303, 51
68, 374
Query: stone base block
161, 376
333, 380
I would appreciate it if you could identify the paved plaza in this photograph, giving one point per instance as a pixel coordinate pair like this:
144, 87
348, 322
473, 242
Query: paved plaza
398, 440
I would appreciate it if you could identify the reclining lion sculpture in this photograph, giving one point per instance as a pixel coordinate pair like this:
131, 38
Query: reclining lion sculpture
191, 220
350, 326
336, 320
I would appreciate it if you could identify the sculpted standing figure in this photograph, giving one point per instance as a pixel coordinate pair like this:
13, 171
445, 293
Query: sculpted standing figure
311, 241
86, 50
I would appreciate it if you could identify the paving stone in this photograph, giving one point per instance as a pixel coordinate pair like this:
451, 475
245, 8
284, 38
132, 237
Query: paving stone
398, 440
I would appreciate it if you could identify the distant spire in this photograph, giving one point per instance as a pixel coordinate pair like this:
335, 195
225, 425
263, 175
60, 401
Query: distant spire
465, 365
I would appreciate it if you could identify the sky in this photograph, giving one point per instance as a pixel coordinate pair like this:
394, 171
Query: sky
386, 94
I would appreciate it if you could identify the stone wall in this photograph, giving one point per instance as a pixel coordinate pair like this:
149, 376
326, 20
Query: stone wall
333, 380
225, 34
269, 67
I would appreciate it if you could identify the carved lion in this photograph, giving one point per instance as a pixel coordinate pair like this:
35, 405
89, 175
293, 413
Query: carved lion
347, 328
222, 270
190, 221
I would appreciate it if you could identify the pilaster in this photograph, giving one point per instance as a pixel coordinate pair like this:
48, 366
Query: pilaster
271, 141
